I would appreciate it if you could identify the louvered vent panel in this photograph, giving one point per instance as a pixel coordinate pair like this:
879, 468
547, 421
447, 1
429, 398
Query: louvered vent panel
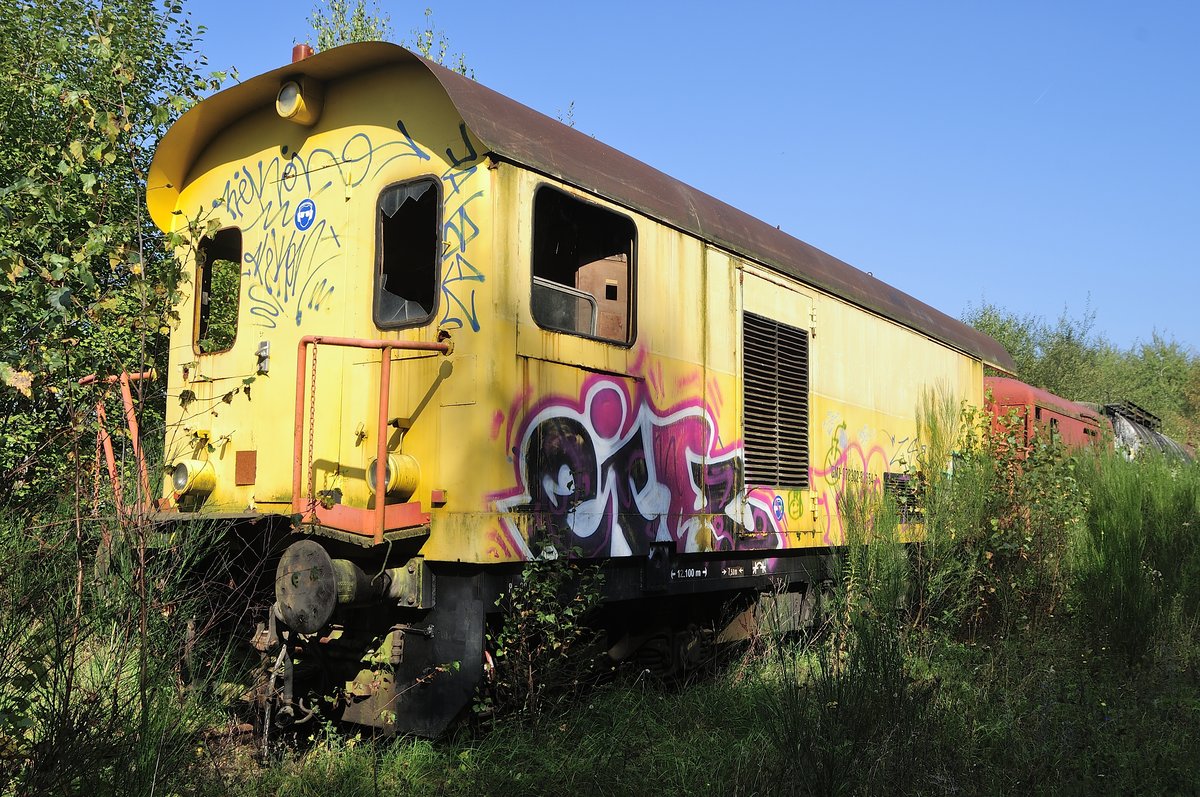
775, 391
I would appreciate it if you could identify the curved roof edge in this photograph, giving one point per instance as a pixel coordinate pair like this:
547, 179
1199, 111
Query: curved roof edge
520, 134
187, 139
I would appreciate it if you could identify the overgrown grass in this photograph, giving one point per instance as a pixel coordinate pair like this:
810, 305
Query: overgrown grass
842, 709
1043, 637
1137, 563
92, 698
1044, 715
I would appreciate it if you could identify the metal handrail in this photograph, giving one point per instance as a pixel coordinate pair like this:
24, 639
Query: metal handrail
567, 290
104, 439
385, 375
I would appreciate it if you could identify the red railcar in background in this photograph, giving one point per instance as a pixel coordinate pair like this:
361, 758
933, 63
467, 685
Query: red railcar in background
1125, 426
1043, 413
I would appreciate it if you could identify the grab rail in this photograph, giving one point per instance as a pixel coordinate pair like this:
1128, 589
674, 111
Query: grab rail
104, 439
299, 504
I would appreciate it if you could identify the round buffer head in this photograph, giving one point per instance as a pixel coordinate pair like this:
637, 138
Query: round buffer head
306, 587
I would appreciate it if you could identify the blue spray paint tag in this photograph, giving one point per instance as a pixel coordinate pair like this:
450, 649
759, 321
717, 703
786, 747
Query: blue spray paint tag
306, 214
777, 507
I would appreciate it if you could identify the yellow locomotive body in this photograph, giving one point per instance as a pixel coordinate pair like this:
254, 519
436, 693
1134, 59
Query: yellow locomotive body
582, 356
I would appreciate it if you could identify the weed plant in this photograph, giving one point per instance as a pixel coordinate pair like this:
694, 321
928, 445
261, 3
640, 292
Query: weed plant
542, 643
1137, 563
844, 715
624, 739
1000, 510
974, 661
91, 665
991, 657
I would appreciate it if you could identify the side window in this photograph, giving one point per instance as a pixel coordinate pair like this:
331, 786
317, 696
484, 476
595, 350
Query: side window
406, 269
219, 277
582, 267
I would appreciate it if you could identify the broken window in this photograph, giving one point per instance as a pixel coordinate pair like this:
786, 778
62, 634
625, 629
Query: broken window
582, 267
406, 271
219, 277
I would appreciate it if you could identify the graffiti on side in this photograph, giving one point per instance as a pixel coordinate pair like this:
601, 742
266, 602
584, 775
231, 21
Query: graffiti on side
610, 474
854, 464
460, 279
282, 205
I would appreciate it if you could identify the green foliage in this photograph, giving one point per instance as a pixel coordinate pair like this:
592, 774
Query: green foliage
891, 696
1071, 360
845, 715
1062, 357
1137, 565
432, 42
1164, 377
85, 282
542, 643
1047, 701
223, 297
1044, 716
91, 656
996, 532
620, 741
943, 578
337, 22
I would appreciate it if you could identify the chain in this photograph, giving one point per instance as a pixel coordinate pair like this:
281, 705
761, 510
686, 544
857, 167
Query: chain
312, 422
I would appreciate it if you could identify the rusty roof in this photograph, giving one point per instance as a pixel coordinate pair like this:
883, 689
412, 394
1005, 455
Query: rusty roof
517, 133
1007, 392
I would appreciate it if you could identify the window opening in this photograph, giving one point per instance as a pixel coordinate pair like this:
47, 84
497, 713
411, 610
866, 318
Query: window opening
407, 266
582, 267
775, 394
219, 275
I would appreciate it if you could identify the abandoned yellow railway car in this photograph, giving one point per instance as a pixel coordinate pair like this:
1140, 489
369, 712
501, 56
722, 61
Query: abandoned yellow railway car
435, 334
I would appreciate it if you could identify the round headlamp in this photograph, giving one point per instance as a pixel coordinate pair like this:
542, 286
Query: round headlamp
193, 476
288, 102
402, 473
299, 100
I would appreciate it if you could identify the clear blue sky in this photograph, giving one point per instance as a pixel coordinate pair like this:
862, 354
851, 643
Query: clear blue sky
1030, 154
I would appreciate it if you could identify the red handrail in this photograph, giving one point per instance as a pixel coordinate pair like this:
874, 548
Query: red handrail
104, 440
385, 376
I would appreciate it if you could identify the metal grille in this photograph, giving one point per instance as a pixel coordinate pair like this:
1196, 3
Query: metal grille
905, 490
775, 390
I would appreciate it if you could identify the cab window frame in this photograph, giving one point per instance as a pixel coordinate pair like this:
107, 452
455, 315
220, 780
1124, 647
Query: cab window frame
377, 262
202, 279
592, 204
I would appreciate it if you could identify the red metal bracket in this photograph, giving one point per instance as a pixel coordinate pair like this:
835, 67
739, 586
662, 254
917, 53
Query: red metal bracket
104, 439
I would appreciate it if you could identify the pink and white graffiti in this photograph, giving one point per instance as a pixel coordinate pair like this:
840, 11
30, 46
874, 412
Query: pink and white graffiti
610, 474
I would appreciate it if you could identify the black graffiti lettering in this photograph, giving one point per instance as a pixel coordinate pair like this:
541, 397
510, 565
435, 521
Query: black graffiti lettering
627, 474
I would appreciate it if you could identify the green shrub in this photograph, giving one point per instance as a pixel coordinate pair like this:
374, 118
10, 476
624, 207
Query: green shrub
542, 643
842, 711
999, 513
1137, 564
91, 697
